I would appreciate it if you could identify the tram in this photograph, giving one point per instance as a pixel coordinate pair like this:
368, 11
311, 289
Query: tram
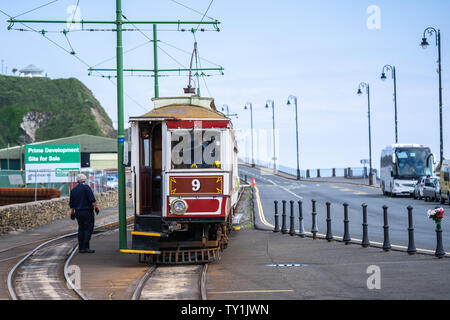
185, 181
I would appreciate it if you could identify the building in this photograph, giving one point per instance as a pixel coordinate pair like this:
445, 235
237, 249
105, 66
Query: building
97, 153
31, 71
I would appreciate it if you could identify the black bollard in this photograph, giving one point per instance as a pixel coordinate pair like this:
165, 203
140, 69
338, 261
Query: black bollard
329, 235
314, 229
277, 226
292, 223
365, 240
346, 237
283, 219
439, 246
301, 228
386, 243
411, 246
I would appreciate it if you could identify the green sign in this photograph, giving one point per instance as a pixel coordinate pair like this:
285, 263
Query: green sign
52, 153
45, 163
64, 172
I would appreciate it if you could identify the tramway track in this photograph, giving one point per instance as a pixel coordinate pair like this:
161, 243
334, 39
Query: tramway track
43, 272
179, 282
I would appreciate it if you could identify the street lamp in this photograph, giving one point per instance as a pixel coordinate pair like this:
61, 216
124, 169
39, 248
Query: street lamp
273, 121
229, 115
383, 77
291, 97
424, 45
359, 92
251, 124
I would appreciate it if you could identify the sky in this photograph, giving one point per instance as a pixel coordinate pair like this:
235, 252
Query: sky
319, 51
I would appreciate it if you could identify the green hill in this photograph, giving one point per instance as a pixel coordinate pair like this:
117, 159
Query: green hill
36, 109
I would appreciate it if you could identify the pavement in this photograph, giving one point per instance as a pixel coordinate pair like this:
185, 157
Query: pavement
108, 274
263, 265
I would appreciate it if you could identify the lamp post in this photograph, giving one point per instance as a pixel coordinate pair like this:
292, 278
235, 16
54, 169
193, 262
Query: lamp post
359, 92
292, 97
424, 45
383, 77
228, 114
251, 124
273, 122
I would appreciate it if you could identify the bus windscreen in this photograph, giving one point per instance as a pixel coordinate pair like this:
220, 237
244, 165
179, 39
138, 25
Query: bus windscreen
413, 162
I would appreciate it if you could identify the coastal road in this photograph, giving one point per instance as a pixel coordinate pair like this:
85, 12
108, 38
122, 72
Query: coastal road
273, 187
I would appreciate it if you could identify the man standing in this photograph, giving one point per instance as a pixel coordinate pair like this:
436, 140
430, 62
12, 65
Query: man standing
82, 204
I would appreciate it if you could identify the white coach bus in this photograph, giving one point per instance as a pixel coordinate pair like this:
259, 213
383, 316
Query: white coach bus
402, 165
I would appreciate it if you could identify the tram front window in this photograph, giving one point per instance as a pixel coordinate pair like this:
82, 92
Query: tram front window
195, 149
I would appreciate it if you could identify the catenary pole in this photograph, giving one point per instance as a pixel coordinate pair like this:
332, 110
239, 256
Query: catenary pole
120, 129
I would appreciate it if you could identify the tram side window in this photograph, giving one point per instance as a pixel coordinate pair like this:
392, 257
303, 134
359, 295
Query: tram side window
195, 149
147, 153
446, 174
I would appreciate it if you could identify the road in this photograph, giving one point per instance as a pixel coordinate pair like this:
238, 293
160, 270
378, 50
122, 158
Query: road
273, 187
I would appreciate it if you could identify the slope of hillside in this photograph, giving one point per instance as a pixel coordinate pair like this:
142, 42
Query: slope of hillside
36, 109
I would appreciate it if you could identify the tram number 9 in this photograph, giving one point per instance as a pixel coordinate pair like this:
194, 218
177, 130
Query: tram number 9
195, 185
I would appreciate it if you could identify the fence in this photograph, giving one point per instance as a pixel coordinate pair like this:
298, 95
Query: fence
98, 180
350, 172
288, 226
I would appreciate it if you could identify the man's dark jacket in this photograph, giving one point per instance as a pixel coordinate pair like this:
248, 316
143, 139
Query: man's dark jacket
81, 198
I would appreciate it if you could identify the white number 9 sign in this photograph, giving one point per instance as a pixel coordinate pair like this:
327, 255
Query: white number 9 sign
195, 185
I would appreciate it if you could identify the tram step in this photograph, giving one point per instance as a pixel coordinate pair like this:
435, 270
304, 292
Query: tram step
140, 251
141, 242
149, 234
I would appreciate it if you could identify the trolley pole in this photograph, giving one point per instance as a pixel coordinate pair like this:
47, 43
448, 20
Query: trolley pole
120, 130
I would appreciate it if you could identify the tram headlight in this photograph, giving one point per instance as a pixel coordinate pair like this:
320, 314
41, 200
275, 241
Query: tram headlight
179, 206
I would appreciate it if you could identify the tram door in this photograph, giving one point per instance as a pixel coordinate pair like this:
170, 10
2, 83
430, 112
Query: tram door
151, 168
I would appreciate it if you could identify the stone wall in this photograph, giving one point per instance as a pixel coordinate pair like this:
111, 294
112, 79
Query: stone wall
25, 216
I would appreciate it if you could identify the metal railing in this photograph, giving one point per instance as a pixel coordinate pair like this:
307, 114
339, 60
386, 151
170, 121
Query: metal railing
98, 180
350, 172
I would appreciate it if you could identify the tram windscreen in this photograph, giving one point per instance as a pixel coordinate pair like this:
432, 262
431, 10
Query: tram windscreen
195, 149
414, 162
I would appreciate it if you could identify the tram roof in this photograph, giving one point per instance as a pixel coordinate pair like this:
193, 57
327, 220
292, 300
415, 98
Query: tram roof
182, 108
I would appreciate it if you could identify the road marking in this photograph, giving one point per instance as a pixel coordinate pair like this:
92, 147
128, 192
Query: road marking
250, 291
360, 193
260, 210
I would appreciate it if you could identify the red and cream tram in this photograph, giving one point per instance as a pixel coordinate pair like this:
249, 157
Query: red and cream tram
185, 185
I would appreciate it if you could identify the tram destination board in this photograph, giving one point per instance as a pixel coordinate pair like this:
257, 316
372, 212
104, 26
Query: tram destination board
196, 185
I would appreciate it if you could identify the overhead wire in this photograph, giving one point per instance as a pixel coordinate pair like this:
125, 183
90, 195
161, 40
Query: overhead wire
204, 14
188, 53
74, 55
151, 40
73, 16
196, 11
34, 9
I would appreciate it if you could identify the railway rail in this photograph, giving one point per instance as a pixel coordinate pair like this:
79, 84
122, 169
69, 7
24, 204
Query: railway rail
39, 274
43, 273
